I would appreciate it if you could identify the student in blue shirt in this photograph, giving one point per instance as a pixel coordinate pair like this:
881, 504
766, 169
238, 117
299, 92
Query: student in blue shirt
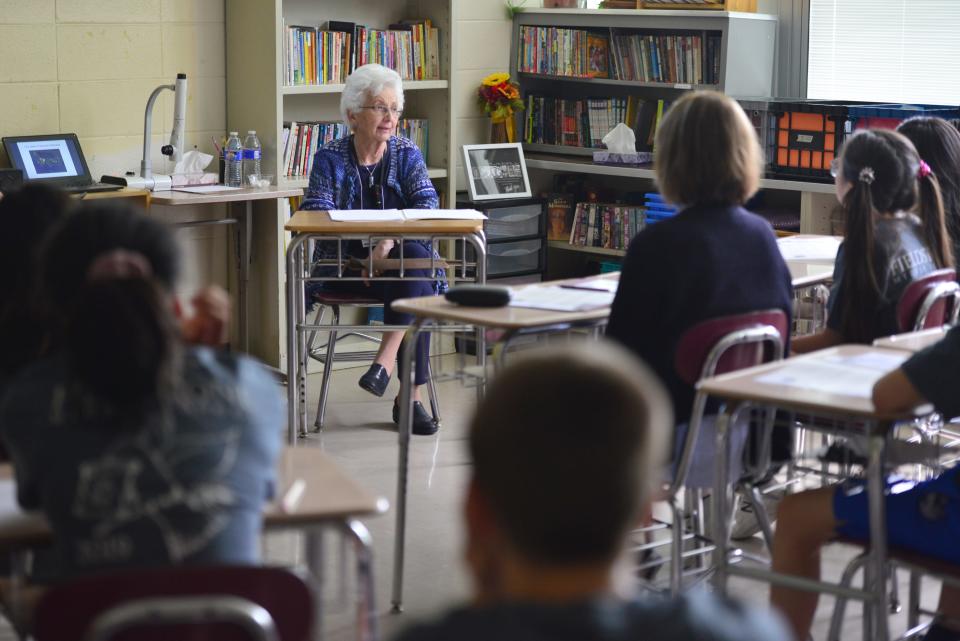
139, 446
567, 448
924, 519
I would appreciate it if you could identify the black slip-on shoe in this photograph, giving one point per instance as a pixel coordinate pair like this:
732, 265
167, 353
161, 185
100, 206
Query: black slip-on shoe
423, 423
375, 380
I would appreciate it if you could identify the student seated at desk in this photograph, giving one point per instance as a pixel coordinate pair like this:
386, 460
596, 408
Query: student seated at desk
375, 169
938, 143
557, 484
880, 183
139, 448
924, 519
26, 216
714, 258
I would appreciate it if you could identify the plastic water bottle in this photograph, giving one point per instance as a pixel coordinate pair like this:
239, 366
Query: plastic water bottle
232, 159
251, 159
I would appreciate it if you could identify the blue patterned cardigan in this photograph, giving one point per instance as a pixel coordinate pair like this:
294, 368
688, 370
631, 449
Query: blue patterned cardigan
334, 184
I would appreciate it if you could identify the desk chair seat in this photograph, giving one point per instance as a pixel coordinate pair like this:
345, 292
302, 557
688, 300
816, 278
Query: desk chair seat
187, 603
930, 301
326, 353
713, 347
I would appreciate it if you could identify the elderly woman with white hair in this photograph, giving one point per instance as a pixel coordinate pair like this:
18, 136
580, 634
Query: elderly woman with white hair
373, 168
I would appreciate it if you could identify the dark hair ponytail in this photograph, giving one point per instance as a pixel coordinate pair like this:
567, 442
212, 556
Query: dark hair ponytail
932, 214
123, 341
861, 289
117, 329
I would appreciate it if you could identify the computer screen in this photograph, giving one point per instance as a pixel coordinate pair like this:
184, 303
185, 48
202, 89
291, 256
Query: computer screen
54, 157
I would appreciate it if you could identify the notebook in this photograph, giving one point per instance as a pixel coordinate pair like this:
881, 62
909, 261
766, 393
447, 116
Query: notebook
55, 159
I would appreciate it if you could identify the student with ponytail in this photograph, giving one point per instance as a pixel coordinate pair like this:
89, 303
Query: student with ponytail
894, 233
938, 143
140, 447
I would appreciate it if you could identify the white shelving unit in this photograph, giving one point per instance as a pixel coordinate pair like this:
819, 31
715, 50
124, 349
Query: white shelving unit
257, 99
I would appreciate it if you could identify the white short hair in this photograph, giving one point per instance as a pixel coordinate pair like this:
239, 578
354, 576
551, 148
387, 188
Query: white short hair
365, 82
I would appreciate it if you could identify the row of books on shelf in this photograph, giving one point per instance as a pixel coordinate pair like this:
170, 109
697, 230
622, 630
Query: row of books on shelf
679, 58
314, 56
606, 226
675, 59
300, 141
584, 122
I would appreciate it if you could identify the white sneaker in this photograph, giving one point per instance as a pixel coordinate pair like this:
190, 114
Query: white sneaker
745, 523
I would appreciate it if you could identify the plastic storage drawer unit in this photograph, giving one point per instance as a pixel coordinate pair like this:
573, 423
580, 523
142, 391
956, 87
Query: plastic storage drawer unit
514, 258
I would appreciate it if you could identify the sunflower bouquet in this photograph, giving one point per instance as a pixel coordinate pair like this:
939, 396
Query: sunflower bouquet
499, 98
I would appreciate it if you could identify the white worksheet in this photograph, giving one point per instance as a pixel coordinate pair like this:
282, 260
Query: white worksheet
809, 247
443, 214
843, 375
365, 215
560, 299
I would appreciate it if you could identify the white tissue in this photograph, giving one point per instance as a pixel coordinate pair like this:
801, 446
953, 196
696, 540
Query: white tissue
621, 140
194, 162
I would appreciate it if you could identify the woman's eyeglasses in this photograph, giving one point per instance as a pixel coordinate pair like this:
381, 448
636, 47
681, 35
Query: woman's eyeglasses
383, 110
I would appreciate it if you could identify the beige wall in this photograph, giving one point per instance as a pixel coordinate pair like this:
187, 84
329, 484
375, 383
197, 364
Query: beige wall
483, 47
88, 67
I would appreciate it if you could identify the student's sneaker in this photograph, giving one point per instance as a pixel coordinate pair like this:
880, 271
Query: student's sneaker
745, 523
423, 423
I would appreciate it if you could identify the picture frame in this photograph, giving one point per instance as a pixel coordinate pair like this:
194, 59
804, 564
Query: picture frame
496, 171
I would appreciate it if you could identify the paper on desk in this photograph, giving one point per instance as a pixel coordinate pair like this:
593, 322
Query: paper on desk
365, 215
809, 247
443, 214
206, 189
560, 299
841, 375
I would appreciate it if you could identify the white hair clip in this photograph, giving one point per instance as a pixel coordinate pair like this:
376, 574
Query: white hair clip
866, 175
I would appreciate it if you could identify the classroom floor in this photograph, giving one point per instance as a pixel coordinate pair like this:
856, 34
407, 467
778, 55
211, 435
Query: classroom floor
360, 436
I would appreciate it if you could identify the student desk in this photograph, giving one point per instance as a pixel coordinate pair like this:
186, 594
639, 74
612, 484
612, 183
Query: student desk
242, 222
312, 493
808, 384
317, 225
432, 310
912, 341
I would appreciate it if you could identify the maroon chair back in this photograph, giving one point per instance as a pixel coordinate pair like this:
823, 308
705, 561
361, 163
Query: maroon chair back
913, 297
66, 612
697, 342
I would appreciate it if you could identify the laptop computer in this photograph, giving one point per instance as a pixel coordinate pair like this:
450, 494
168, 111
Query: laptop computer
55, 159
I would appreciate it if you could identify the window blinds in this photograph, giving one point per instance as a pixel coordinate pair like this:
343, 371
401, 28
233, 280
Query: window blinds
885, 51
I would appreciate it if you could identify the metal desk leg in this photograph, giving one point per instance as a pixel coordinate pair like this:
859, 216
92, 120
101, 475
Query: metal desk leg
295, 290
876, 566
406, 424
313, 548
366, 589
721, 499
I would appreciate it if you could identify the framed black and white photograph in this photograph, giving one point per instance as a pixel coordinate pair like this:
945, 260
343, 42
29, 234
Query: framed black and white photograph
496, 172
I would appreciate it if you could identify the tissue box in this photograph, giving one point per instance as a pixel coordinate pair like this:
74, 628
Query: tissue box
635, 159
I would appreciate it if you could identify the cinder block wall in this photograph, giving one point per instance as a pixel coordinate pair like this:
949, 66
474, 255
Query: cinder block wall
88, 67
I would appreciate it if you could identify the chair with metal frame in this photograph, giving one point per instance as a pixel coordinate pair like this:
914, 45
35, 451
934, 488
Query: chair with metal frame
242, 603
712, 347
930, 301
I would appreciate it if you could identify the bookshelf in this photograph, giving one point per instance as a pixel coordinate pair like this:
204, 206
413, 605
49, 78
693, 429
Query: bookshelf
744, 45
257, 98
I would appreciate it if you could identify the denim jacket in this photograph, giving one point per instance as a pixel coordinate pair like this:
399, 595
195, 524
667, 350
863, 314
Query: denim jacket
334, 184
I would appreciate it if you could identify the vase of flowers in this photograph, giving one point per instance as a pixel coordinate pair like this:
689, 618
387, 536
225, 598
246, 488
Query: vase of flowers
499, 98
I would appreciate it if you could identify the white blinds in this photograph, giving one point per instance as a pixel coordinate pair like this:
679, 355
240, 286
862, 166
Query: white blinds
885, 50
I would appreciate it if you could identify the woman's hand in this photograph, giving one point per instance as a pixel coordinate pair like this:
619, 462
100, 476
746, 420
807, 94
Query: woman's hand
382, 250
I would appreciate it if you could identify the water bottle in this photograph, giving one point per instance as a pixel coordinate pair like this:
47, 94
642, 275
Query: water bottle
251, 159
233, 158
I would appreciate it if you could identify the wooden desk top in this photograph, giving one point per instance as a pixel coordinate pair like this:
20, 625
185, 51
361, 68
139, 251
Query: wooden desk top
912, 341
118, 193
175, 198
440, 309
318, 222
328, 495
831, 397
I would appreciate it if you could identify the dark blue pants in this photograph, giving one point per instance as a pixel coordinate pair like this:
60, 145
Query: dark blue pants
389, 291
